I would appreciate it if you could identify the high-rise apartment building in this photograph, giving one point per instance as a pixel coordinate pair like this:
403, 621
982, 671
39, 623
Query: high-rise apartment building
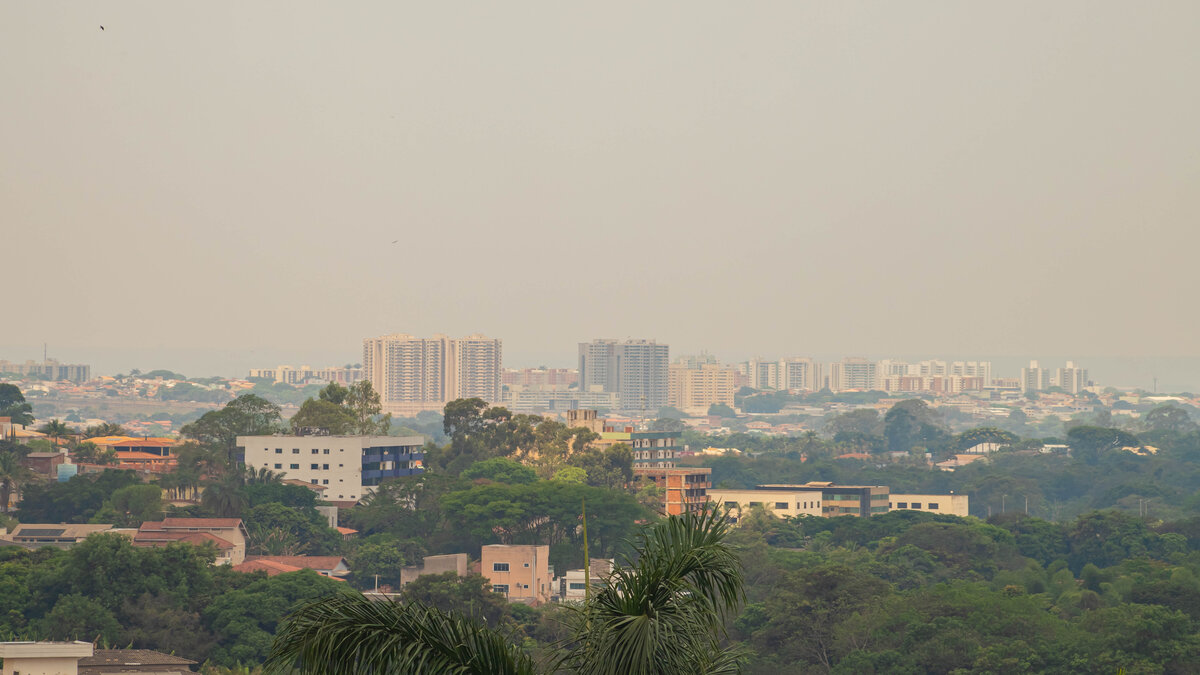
852, 373
413, 374
1033, 378
694, 390
49, 369
636, 370
799, 374
1072, 378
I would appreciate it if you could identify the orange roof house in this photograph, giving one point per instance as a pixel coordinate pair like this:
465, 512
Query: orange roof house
228, 535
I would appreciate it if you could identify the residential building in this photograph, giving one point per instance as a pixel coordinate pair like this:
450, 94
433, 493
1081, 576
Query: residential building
636, 370
762, 374
43, 658
694, 390
951, 504
412, 374
851, 374
143, 661
843, 500
227, 535
1033, 378
343, 375
685, 490
651, 449
349, 467
1072, 379
799, 374
48, 369
57, 535
782, 503
435, 564
44, 464
540, 377
572, 586
325, 565
534, 399
520, 571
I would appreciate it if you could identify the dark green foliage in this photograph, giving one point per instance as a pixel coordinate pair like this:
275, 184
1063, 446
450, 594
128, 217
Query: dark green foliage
75, 501
470, 596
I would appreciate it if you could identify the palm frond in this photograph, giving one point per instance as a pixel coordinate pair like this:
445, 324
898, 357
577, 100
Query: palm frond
347, 633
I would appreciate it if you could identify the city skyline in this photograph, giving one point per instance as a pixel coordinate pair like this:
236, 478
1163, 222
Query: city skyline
976, 180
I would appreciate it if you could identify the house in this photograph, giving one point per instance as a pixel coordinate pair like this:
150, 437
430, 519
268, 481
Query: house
82, 658
325, 565
228, 535
520, 572
271, 567
572, 586
57, 535
44, 463
43, 658
144, 661
960, 460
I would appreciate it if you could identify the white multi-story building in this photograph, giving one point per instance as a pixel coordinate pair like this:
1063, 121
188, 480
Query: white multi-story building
635, 369
852, 373
347, 467
1072, 378
799, 374
413, 374
1033, 378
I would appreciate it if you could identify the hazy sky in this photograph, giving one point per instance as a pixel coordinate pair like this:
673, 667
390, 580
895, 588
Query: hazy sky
208, 186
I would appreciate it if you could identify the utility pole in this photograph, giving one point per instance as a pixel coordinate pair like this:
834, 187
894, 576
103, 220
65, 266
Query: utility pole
376, 584
587, 561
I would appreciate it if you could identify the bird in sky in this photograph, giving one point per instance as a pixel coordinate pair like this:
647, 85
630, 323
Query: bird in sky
101, 27
395, 241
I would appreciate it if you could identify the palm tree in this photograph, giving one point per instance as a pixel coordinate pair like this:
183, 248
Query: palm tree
264, 475
55, 429
224, 498
659, 614
13, 475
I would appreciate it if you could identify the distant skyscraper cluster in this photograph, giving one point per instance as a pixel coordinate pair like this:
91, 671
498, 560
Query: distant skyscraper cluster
343, 375
48, 369
1071, 378
413, 374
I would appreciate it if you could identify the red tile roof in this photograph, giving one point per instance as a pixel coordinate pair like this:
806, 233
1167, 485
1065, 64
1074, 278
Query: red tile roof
213, 523
161, 538
271, 567
312, 562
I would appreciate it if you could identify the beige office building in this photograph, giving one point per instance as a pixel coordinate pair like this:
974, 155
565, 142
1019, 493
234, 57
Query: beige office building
777, 502
693, 390
951, 505
413, 374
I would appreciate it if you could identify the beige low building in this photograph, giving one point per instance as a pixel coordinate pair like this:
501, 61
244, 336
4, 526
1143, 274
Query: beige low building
520, 572
778, 502
43, 658
951, 504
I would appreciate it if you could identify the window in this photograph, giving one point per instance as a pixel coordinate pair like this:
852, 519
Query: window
325, 451
731, 505
295, 451
500, 588
314, 481
499, 567
339, 466
933, 506
294, 466
575, 587
755, 503
781, 505
314, 466
525, 565
278, 466
902, 505
324, 466
315, 451
916, 505
325, 482
279, 451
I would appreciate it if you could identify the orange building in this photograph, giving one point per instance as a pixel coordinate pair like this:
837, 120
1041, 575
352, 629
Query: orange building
686, 489
520, 572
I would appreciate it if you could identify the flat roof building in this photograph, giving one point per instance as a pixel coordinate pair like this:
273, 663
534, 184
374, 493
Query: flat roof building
348, 467
951, 504
843, 500
519, 571
782, 503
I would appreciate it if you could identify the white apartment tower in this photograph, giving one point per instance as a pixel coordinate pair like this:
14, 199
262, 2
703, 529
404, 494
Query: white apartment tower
1033, 378
1072, 378
852, 372
413, 374
636, 370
